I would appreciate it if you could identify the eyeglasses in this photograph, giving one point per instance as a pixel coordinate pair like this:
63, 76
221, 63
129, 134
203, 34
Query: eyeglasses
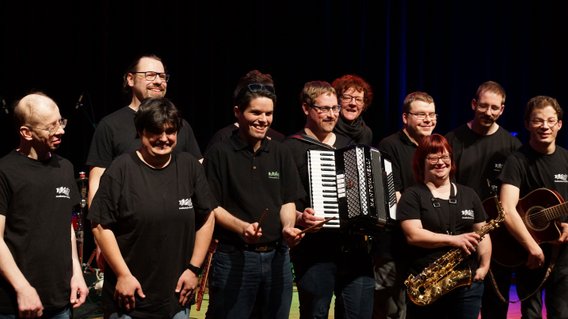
346, 98
433, 159
326, 109
61, 123
257, 87
483, 107
422, 115
151, 75
540, 122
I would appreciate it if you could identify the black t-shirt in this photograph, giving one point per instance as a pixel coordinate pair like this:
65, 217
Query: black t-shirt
37, 199
152, 213
399, 150
480, 158
247, 183
116, 135
417, 202
529, 170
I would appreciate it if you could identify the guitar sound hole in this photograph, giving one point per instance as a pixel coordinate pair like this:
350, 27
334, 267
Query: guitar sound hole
535, 219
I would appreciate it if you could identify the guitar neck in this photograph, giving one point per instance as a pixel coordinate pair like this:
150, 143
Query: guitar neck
555, 212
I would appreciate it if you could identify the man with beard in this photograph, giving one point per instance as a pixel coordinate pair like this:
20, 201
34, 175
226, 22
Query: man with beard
328, 261
146, 77
419, 119
481, 147
256, 184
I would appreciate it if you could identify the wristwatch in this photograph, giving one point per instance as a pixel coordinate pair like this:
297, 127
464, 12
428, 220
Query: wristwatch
194, 269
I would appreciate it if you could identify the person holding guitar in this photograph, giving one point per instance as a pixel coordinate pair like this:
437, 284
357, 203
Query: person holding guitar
539, 165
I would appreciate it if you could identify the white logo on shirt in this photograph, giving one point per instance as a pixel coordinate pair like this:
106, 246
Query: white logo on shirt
62, 192
467, 214
185, 203
561, 178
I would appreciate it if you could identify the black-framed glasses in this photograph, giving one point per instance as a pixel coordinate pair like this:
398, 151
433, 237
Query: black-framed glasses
61, 123
326, 109
433, 159
151, 75
257, 87
423, 115
540, 122
346, 98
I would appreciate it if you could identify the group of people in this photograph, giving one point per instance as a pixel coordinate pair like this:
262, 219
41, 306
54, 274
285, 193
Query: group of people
157, 205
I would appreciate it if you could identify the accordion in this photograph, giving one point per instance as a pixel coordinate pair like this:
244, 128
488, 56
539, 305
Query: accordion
353, 183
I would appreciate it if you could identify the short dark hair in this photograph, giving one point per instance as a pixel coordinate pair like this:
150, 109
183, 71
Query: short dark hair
491, 86
133, 67
252, 85
540, 102
156, 113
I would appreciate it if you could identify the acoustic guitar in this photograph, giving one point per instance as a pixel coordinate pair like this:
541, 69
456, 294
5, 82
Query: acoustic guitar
539, 210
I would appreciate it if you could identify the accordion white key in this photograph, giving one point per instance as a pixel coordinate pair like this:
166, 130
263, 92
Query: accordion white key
354, 184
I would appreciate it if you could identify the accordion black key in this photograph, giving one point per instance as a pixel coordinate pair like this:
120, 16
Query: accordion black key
353, 183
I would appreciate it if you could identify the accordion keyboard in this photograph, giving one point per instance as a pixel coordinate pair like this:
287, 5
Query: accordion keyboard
324, 185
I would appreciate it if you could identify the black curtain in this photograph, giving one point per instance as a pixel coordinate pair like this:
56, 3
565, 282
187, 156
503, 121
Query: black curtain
445, 49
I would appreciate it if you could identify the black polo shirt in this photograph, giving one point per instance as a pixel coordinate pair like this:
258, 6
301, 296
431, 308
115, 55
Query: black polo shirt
247, 183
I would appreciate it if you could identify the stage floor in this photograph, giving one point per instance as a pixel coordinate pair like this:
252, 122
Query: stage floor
92, 309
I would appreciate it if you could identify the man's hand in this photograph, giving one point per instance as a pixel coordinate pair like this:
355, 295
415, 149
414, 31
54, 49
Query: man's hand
29, 303
127, 287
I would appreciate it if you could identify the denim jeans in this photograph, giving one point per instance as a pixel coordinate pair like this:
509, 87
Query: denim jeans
59, 314
184, 314
461, 303
317, 284
247, 284
527, 282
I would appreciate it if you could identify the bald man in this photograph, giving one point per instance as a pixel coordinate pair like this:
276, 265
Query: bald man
40, 273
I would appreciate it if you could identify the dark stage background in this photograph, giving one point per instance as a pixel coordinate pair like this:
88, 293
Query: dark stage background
446, 48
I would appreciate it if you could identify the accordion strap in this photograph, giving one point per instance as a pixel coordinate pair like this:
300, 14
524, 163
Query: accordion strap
311, 140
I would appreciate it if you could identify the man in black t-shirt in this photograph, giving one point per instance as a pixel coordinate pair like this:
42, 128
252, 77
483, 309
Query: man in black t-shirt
146, 77
481, 146
540, 163
419, 119
40, 273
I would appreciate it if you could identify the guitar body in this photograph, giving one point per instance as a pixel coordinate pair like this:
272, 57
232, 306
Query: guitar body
538, 210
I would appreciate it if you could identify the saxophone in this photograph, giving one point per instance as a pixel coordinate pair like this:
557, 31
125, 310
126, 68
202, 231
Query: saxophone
443, 275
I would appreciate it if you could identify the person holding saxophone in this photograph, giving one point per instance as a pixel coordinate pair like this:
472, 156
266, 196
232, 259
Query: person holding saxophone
449, 250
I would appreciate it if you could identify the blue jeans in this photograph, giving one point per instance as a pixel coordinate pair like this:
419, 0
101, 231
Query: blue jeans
529, 282
317, 284
245, 284
461, 303
184, 314
59, 314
